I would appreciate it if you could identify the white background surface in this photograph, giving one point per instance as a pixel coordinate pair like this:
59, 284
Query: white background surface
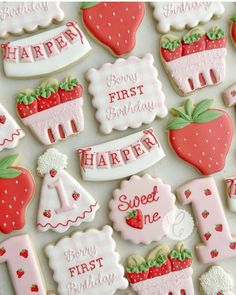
171, 169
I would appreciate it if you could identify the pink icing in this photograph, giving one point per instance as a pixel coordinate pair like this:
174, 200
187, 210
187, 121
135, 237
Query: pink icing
212, 224
22, 265
150, 196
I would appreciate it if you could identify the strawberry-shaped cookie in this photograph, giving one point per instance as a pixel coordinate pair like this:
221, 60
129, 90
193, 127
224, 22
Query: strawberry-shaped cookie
135, 219
180, 258
233, 29
201, 136
114, 24
196, 61
53, 110
16, 190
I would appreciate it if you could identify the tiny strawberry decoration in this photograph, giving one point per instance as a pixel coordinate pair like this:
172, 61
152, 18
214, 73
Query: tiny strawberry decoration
214, 253
171, 47
193, 41
201, 136
207, 236
135, 219
137, 269
233, 28
3, 119
215, 38
27, 104
20, 273
207, 192
180, 258
53, 173
187, 193
70, 89
2, 251
113, 23
232, 245
34, 288
24, 253
47, 213
47, 94
205, 214
75, 196
219, 227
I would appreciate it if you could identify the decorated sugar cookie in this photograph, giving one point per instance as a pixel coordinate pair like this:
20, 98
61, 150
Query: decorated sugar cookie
114, 24
45, 53
139, 207
179, 15
87, 263
201, 135
218, 243
17, 17
161, 272
216, 281
17, 252
121, 157
129, 93
10, 131
16, 191
196, 60
53, 110
231, 193
233, 29
63, 201
229, 95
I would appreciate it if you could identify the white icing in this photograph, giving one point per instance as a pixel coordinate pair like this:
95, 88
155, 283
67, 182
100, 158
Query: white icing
18, 16
70, 54
10, 131
81, 248
178, 15
216, 280
190, 66
133, 110
51, 159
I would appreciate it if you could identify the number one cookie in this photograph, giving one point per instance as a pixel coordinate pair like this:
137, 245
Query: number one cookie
213, 227
22, 264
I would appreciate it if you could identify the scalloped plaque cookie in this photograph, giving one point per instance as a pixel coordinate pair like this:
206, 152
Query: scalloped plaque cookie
17, 17
44, 53
10, 131
139, 207
179, 15
53, 110
126, 93
121, 157
63, 201
196, 60
86, 263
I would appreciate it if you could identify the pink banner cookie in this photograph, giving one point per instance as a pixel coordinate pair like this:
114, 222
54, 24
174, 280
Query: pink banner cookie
45, 53
138, 208
53, 110
17, 17
22, 265
114, 24
126, 93
212, 224
63, 201
122, 157
10, 131
162, 272
201, 135
87, 263
196, 60
16, 191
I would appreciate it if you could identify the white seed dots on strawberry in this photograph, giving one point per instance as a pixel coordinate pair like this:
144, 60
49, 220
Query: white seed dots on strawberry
5, 192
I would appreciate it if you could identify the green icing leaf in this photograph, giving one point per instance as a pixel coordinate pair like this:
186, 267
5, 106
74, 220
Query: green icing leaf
208, 116
215, 33
170, 45
138, 269
201, 107
87, 4
192, 38
188, 107
45, 91
233, 18
8, 161
69, 84
26, 98
174, 254
9, 173
131, 214
181, 114
177, 123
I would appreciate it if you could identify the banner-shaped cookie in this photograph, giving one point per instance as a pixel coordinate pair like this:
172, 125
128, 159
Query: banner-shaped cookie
126, 93
17, 17
45, 53
122, 157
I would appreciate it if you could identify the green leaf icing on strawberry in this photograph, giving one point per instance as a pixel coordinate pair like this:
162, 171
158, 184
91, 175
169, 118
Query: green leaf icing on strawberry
138, 269
192, 38
85, 5
215, 33
181, 254
69, 84
45, 91
26, 98
5, 167
160, 260
170, 45
199, 114
233, 18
